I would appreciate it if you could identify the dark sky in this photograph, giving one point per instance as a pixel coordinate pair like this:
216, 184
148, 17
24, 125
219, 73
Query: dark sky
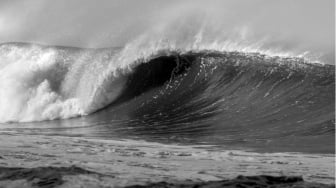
309, 24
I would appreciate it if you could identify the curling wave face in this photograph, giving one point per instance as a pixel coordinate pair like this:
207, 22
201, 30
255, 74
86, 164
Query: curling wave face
163, 93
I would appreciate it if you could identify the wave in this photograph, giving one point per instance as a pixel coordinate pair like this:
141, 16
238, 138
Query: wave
53, 82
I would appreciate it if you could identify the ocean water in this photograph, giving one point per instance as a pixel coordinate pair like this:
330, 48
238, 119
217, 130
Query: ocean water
225, 95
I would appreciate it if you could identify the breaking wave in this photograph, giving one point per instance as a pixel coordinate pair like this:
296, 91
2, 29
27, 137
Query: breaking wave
202, 92
48, 82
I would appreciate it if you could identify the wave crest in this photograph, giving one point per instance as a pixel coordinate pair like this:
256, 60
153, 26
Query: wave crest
49, 82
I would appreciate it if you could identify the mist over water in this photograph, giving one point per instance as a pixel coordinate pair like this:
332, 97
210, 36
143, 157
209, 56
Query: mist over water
290, 26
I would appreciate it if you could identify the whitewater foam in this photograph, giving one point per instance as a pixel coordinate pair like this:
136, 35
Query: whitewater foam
28, 77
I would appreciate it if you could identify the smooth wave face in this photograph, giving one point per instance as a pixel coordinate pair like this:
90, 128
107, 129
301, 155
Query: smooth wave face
202, 95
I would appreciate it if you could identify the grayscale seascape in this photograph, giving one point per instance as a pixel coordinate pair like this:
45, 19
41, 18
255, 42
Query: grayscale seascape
167, 94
